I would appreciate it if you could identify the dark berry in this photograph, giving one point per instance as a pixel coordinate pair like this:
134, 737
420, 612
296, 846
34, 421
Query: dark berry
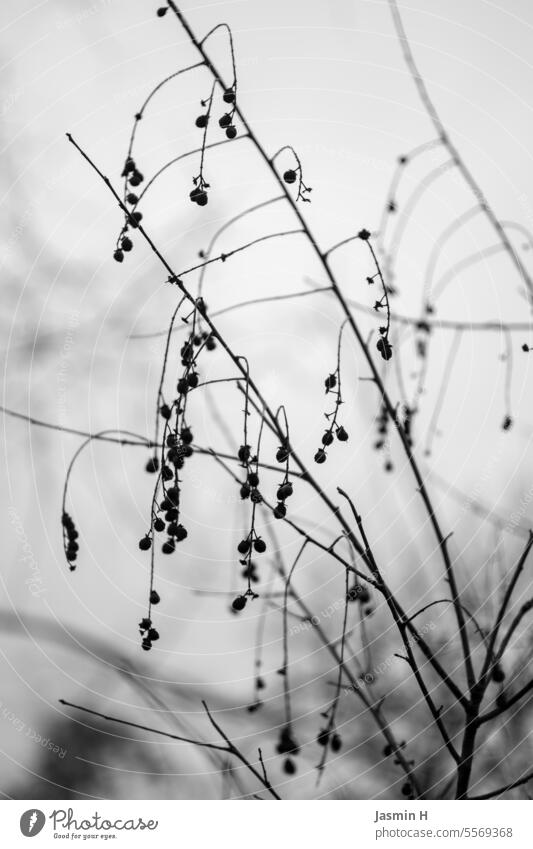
320, 456
118, 256
166, 473
153, 634
336, 743
162, 11
132, 198
181, 533
282, 454
280, 511
342, 436
245, 491
192, 380
239, 603
154, 597
244, 453
198, 196
330, 382
126, 244
284, 491
186, 435
363, 595
253, 478
225, 121
182, 386
152, 465
202, 121
244, 546
136, 178
289, 767
165, 411
173, 494
229, 96
231, 132
159, 525
168, 547
211, 342
327, 438
407, 789
145, 543
146, 644
290, 176
323, 737
260, 546
384, 347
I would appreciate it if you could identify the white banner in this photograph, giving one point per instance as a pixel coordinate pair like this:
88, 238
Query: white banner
194, 824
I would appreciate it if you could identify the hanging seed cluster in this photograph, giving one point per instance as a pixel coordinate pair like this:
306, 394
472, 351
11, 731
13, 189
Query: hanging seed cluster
70, 540
334, 429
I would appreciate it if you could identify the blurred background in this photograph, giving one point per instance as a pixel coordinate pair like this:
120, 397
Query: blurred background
79, 351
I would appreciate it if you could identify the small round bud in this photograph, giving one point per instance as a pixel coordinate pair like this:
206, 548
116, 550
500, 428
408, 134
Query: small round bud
284, 491
323, 737
145, 543
280, 511
186, 435
336, 743
239, 603
289, 767
290, 176
152, 465
154, 597
282, 454
327, 438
